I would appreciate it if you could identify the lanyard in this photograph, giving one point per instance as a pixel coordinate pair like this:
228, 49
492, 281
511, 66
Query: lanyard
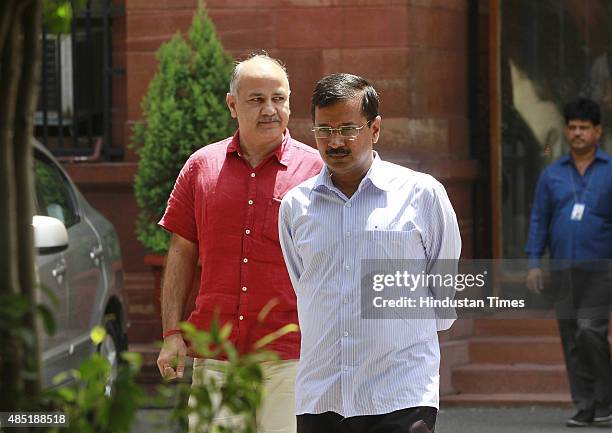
571, 176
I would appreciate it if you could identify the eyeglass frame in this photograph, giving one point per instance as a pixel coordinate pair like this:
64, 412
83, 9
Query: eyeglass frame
339, 130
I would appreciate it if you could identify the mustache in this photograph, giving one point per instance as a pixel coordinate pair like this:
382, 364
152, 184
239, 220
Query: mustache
338, 151
269, 120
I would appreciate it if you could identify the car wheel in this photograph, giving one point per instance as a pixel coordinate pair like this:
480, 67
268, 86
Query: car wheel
109, 349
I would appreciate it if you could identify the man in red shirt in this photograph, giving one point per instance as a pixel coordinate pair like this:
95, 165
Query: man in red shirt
223, 210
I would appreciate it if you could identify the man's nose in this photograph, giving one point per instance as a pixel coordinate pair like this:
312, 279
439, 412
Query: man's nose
268, 108
336, 140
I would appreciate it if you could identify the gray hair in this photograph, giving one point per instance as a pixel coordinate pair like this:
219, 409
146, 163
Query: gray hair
233, 87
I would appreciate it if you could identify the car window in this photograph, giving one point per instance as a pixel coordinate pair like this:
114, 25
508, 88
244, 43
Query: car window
53, 194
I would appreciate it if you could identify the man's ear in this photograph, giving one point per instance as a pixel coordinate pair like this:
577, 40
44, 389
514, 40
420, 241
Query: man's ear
230, 100
566, 132
289, 102
376, 129
598, 131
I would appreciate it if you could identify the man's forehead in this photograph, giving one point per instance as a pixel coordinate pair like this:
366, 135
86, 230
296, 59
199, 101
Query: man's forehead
261, 73
263, 85
346, 111
259, 91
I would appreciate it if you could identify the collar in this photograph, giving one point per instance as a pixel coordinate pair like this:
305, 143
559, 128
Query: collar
282, 152
601, 155
323, 180
377, 175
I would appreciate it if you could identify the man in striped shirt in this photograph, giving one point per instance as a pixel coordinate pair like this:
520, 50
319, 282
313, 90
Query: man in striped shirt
358, 375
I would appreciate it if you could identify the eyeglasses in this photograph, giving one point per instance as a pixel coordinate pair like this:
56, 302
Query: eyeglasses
325, 132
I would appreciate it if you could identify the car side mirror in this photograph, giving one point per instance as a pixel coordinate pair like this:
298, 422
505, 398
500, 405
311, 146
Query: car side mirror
50, 234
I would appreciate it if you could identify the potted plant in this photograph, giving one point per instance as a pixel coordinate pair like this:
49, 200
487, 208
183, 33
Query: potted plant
183, 110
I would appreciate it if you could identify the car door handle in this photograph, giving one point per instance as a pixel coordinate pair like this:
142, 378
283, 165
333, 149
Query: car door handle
95, 254
58, 272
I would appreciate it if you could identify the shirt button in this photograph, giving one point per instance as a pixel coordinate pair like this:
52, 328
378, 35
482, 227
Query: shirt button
250, 202
244, 289
348, 234
348, 205
345, 368
241, 317
345, 333
247, 231
252, 174
347, 267
345, 300
245, 260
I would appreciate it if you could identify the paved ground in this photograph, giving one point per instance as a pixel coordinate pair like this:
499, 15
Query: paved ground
154, 420
507, 420
452, 420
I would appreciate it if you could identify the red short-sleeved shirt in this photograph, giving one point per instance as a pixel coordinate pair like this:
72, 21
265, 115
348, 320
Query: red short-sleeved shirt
231, 210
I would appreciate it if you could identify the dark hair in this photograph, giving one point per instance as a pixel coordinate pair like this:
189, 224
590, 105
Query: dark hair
583, 109
341, 87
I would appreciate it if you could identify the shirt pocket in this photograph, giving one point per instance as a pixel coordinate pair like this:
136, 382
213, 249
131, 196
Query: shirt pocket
270, 227
394, 244
603, 202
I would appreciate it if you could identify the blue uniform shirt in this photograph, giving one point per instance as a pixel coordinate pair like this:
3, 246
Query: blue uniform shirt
559, 188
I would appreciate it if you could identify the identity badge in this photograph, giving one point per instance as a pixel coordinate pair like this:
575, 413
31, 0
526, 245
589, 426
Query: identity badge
577, 212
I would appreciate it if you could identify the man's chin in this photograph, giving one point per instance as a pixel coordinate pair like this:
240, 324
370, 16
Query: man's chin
582, 147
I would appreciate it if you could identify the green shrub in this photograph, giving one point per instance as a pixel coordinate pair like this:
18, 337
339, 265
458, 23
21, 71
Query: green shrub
184, 109
92, 410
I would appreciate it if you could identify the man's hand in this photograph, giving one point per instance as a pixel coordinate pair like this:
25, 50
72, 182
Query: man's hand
178, 279
535, 280
171, 360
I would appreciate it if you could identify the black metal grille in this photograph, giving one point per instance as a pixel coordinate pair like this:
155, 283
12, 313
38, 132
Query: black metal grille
73, 116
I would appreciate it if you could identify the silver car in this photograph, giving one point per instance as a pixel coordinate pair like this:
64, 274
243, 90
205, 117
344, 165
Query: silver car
79, 260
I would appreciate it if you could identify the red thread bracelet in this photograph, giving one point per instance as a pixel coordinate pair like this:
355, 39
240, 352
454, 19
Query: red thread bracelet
170, 332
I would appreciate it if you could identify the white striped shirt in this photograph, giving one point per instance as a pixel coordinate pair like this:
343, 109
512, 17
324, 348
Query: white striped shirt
350, 365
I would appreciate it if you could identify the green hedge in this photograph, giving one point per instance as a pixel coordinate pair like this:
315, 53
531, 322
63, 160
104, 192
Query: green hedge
184, 109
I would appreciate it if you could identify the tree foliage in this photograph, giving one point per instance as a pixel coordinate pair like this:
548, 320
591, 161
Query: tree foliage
239, 392
183, 110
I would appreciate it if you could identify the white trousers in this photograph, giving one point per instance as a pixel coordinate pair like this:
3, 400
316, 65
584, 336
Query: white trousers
277, 411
